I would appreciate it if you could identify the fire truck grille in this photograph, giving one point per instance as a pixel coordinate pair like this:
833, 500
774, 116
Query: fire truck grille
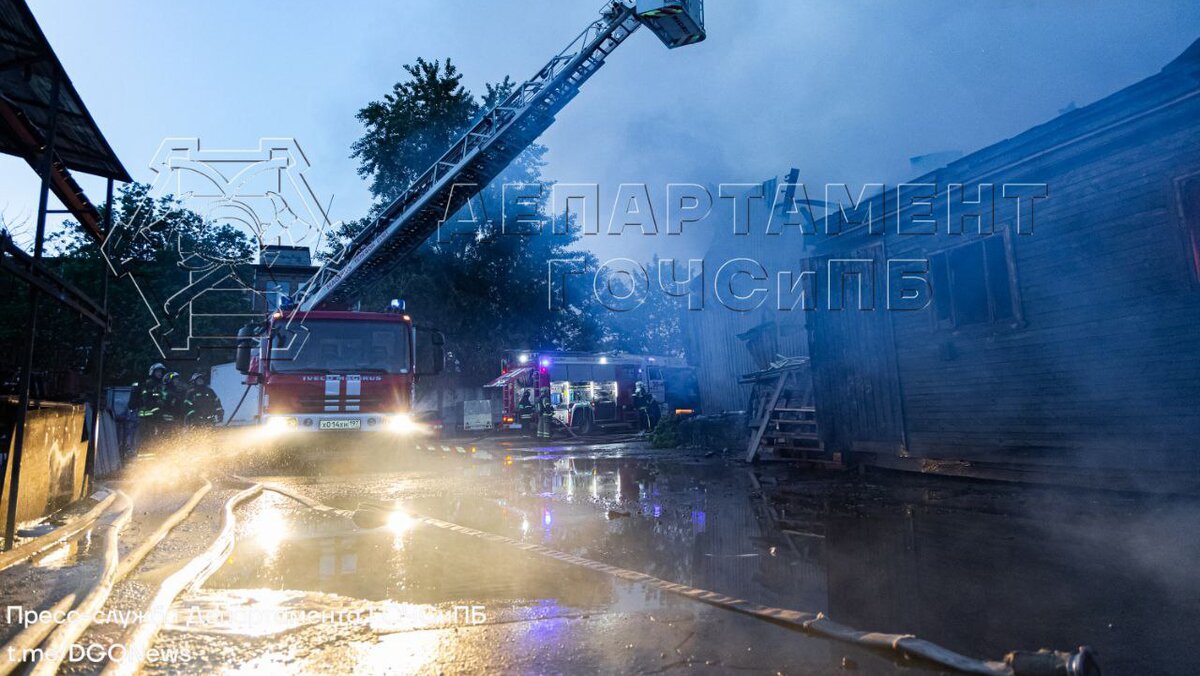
344, 404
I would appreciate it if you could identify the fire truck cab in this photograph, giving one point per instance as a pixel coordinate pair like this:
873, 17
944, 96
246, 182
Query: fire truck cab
592, 391
337, 371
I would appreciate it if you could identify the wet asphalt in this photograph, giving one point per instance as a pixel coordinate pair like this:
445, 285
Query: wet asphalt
978, 568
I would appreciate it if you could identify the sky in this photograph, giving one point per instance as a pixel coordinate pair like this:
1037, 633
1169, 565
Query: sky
844, 90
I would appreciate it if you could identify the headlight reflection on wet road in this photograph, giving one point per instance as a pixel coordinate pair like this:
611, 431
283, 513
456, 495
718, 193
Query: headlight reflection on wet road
399, 522
267, 526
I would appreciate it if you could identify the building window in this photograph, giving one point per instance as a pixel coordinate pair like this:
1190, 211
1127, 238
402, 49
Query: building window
973, 284
1189, 203
277, 291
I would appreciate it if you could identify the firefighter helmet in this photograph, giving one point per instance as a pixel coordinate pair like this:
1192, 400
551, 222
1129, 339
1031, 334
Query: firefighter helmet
198, 376
159, 366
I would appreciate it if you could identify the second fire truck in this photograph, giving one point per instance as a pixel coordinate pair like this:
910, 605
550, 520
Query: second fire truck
593, 391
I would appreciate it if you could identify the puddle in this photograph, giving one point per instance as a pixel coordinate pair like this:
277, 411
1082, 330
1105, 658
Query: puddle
285, 548
980, 569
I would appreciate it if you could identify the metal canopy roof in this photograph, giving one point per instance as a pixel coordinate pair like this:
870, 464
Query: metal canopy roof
506, 378
27, 68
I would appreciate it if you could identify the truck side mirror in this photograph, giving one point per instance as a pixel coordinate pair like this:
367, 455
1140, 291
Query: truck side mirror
430, 351
247, 339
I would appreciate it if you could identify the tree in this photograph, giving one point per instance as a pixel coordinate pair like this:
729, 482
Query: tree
486, 289
166, 233
412, 126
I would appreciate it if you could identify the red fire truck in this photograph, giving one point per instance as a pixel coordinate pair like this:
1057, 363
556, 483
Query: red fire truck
338, 371
322, 367
591, 390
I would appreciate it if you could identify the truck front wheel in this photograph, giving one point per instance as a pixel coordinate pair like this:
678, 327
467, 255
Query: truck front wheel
583, 422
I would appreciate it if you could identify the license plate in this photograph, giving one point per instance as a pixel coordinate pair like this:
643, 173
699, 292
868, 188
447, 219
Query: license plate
340, 424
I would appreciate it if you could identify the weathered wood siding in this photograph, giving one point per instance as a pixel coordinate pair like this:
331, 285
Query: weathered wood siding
712, 333
1103, 368
719, 356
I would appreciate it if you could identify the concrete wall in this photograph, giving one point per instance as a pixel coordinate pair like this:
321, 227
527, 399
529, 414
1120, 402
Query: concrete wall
54, 459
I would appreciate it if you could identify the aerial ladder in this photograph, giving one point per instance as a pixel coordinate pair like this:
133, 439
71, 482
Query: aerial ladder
490, 144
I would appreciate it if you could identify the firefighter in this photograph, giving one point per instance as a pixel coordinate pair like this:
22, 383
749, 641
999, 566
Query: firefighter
647, 408
146, 407
146, 399
173, 396
545, 411
202, 406
525, 411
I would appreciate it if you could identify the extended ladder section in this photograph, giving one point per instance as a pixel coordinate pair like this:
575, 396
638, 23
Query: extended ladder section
476, 158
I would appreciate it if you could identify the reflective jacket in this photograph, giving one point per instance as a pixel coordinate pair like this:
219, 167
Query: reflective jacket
642, 400
148, 398
525, 409
203, 406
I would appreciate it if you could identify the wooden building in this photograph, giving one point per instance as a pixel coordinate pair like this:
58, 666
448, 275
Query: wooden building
727, 342
1062, 346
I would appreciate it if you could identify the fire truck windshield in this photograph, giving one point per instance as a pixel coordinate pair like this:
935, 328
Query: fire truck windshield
329, 346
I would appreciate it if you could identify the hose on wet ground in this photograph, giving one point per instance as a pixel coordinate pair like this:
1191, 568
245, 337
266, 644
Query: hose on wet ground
35, 633
36, 546
139, 638
592, 437
812, 623
134, 558
32, 635
1018, 663
57, 644
555, 422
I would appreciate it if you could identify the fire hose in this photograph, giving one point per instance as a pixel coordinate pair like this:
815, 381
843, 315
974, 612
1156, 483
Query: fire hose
40, 544
239, 406
130, 562
138, 639
1082, 662
56, 646
34, 634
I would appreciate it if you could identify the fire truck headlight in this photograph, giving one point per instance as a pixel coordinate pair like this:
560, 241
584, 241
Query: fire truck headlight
280, 424
402, 423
